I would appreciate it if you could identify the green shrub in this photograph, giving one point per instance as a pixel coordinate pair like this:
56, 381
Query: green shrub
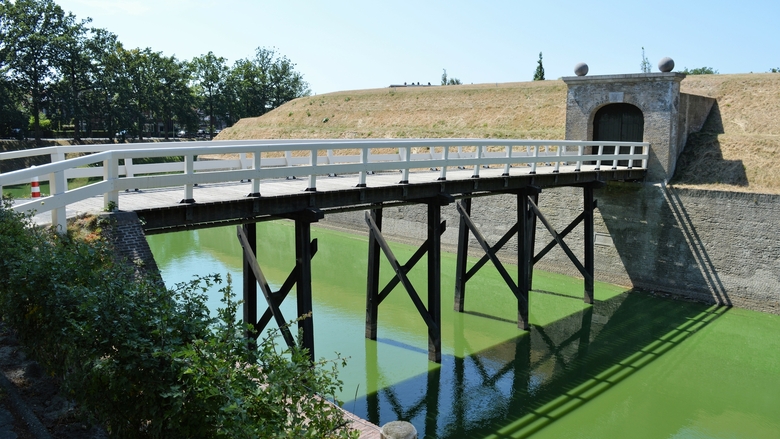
148, 362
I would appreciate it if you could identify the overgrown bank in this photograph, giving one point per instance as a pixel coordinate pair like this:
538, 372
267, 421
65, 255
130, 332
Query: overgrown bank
144, 361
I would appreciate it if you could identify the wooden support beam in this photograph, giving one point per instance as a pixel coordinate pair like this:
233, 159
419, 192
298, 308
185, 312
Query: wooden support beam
249, 283
432, 246
588, 207
249, 257
435, 227
461, 263
524, 261
303, 291
372, 288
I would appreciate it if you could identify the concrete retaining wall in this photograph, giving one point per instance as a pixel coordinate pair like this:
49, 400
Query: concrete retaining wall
709, 246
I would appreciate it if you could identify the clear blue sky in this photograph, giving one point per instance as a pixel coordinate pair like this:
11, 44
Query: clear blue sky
344, 45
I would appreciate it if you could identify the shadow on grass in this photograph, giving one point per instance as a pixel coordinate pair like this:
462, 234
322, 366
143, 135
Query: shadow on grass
516, 388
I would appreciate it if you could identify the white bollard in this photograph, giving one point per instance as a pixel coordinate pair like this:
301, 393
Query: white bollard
398, 430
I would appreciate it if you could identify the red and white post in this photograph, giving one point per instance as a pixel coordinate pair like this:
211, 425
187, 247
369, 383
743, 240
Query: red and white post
35, 190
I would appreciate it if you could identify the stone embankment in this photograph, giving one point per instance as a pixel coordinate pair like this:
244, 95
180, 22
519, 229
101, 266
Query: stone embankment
708, 246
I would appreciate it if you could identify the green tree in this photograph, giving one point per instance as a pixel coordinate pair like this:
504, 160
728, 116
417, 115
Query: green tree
539, 73
449, 81
32, 47
257, 85
175, 101
209, 76
774, 70
645, 64
700, 71
74, 65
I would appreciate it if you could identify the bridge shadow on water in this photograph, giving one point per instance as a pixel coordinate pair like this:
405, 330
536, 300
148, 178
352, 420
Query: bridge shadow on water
518, 387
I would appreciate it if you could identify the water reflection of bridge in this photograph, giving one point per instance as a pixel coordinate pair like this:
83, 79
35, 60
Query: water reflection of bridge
304, 180
518, 387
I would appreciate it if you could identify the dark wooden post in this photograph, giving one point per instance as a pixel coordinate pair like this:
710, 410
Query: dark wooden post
250, 283
303, 257
589, 241
372, 288
461, 264
524, 262
434, 280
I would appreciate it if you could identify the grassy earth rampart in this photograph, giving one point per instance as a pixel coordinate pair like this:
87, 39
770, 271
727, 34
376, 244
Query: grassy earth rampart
737, 150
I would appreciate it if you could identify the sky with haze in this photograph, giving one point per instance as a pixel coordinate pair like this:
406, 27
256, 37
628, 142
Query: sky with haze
357, 44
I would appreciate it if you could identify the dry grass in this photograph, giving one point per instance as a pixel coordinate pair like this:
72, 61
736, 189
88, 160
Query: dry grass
738, 148
515, 110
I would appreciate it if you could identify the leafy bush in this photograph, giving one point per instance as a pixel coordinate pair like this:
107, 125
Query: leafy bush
148, 362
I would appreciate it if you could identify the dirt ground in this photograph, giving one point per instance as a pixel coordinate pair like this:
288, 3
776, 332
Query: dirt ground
39, 395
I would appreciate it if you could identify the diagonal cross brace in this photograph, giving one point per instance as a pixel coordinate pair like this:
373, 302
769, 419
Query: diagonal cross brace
490, 253
499, 245
272, 299
400, 273
563, 234
285, 289
416, 257
559, 240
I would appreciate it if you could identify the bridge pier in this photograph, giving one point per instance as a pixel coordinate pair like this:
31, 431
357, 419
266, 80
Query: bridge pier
432, 247
300, 277
527, 214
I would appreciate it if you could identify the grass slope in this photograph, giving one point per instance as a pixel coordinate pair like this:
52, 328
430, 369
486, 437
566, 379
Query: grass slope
738, 149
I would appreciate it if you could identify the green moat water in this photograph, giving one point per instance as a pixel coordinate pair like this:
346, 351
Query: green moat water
632, 365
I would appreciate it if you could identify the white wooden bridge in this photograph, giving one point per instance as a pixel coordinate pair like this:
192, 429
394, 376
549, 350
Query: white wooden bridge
207, 184
122, 177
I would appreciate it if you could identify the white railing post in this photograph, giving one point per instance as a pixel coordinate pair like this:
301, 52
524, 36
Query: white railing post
475, 174
58, 184
580, 152
446, 157
631, 161
599, 153
256, 180
189, 171
313, 175
507, 164
364, 162
111, 174
407, 158
646, 153
558, 162
535, 156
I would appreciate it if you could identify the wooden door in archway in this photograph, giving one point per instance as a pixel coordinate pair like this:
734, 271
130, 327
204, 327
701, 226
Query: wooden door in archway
620, 123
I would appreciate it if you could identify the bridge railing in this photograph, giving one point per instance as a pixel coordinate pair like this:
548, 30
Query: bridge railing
114, 168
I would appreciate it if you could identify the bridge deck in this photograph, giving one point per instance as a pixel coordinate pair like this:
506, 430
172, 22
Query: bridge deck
227, 203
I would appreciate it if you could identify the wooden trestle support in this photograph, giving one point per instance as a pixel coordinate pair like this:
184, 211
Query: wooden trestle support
432, 247
300, 277
527, 215
525, 229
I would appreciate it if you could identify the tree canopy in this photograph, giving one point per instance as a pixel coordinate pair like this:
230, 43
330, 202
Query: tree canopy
87, 83
539, 73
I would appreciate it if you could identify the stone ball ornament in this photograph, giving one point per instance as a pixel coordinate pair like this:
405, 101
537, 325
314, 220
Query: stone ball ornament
666, 64
581, 69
